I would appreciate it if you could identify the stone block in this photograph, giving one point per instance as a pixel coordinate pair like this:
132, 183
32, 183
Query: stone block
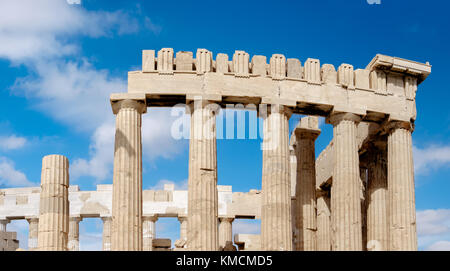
184, 61
148, 60
278, 66
240, 64
378, 82
346, 76
222, 63
259, 65
329, 74
312, 71
162, 243
362, 78
21, 200
165, 61
203, 61
294, 68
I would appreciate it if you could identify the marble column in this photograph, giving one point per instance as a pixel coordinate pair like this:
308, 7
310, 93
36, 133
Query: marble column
106, 233
346, 187
53, 226
305, 193
363, 192
377, 204
74, 233
202, 231
225, 231
183, 227
33, 228
276, 221
323, 221
126, 228
402, 211
3, 224
149, 232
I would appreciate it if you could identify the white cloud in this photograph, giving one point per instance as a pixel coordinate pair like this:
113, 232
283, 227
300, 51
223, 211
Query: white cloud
10, 176
433, 229
31, 30
12, 142
431, 158
440, 246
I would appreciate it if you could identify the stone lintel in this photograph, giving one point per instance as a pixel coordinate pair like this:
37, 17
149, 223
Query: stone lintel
150, 217
203, 97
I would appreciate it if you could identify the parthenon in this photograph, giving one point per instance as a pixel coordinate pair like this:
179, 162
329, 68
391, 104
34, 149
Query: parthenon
357, 195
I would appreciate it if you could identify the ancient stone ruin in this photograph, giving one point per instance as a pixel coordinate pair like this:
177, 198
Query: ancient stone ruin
357, 195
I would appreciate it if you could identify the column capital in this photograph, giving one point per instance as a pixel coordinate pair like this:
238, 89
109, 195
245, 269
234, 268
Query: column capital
182, 218
138, 105
336, 117
227, 218
390, 126
31, 219
152, 218
76, 218
106, 218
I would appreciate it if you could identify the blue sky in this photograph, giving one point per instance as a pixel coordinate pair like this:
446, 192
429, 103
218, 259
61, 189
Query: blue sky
59, 62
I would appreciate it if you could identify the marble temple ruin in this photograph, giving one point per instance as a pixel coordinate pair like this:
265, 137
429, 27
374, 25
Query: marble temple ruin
357, 195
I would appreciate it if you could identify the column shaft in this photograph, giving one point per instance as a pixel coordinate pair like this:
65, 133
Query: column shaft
183, 227
306, 190
276, 223
149, 232
54, 203
74, 234
377, 206
402, 212
323, 222
33, 229
126, 230
3, 224
106, 233
225, 232
346, 189
202, 231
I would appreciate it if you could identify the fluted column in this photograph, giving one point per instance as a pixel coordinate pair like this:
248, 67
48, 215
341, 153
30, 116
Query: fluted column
53, 226
346, 188
225, 231
106, 236
377, 204
183, 227
202, 231
363, 192
305, 193
276, 223
323, 221
402, 211
126, 230
3, 224
149, 232
74, 234
33, 228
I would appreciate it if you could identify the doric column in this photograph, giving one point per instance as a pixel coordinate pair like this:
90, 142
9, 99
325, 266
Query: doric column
126, 230
202, 231
402, 211
346, 187
53, 226
3, 224
276, 224
305, 134
33, 227
323, 221
377, 204
225, 231
106, 233
183, 227
149, 232
74, 233
363, 192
